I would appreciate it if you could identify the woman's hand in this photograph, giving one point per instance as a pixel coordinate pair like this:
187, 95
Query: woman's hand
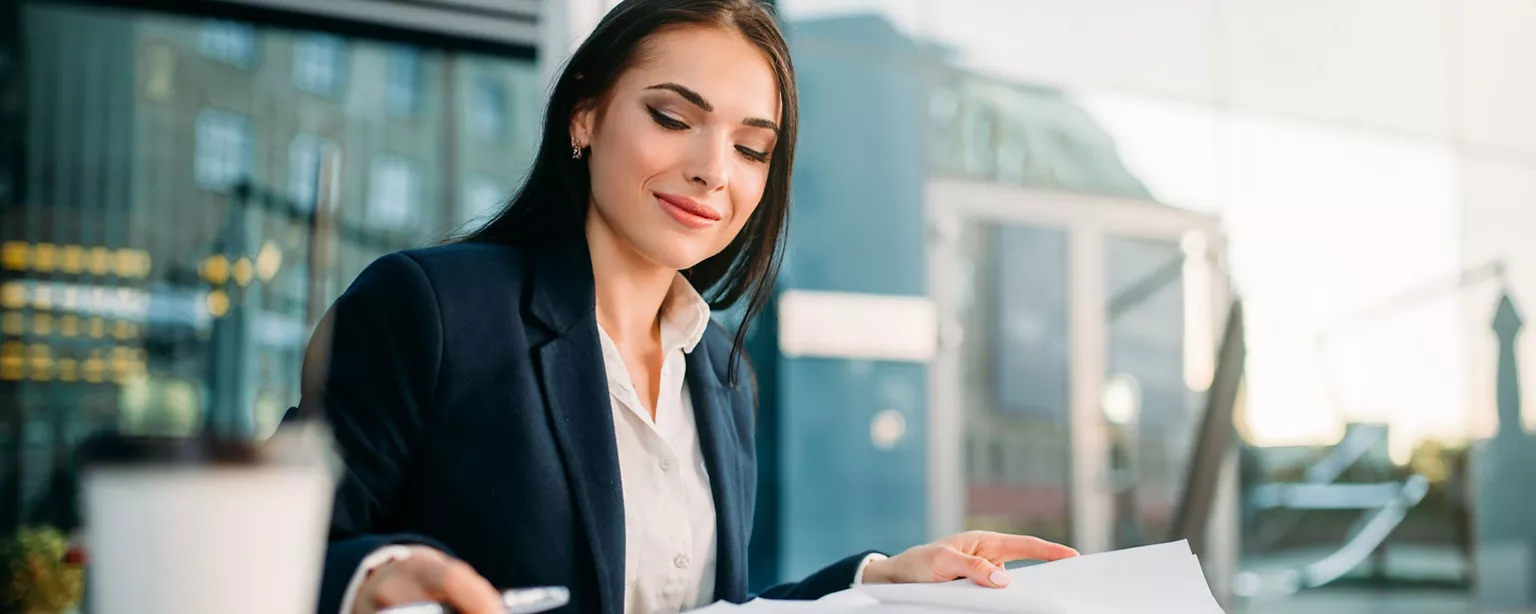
978, 555
428, 576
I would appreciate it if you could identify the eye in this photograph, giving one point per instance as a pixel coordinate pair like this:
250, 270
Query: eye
752, 154
666, 121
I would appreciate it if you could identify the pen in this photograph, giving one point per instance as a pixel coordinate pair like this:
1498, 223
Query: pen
518, 601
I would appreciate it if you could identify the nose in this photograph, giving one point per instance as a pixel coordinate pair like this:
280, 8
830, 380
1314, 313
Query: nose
710, 167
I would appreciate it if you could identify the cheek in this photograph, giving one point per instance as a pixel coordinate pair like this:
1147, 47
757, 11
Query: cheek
745, 197
630, 156
648, 156
746, 192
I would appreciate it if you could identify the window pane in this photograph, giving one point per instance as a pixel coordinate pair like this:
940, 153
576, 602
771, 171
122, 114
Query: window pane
319, 63
489, 113
1012, 291
482, 196
304, 158
231, 42
402, 90
394, 193
223, 149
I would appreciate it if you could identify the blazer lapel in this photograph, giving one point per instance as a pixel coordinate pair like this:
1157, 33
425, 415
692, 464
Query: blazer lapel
580, 412
721, 447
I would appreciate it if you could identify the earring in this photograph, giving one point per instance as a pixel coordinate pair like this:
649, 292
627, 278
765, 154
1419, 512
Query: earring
575, 150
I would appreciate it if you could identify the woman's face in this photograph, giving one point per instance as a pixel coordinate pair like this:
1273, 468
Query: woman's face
680, 144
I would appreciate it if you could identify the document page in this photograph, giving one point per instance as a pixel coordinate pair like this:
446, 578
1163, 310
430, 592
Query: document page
1160, 579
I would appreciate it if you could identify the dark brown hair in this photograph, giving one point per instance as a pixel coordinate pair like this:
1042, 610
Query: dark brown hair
552, 202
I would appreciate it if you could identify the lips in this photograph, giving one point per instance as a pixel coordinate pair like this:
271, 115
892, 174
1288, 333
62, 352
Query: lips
687, 211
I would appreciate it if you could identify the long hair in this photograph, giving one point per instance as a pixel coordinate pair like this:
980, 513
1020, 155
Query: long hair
552, 202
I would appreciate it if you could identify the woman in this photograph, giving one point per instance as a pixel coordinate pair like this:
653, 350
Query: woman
545, 402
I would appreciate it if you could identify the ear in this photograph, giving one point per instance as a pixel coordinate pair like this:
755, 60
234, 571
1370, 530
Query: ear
582, 122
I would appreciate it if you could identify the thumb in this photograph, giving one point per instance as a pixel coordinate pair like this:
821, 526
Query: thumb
952, 563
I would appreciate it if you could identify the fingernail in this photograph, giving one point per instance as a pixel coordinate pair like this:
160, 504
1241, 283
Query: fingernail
1000, 578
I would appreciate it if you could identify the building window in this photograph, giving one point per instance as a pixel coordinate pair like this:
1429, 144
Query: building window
224, 149
402, 85
394, 193
481, 196
489, 108
319, 64
231, 42
305, 155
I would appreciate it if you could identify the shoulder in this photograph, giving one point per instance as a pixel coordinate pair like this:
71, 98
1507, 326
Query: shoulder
486, 261
457, 280
444, 270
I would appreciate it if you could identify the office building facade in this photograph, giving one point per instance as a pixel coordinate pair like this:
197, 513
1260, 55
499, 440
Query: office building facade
162, 192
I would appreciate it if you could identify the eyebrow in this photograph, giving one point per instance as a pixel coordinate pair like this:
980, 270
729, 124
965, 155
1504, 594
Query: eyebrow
699, 101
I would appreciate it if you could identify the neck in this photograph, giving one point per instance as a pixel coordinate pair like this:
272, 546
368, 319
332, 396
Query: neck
630, 288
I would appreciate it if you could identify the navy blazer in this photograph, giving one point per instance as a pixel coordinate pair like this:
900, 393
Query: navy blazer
468, 398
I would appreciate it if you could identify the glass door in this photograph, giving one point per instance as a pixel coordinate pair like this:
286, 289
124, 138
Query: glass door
1006, 330
1077, 339
1157, 367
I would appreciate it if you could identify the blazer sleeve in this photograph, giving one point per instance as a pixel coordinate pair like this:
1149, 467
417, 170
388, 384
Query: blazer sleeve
830, 579
381, 343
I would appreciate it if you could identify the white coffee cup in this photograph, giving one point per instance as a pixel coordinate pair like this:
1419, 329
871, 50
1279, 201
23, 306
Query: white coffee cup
193, 526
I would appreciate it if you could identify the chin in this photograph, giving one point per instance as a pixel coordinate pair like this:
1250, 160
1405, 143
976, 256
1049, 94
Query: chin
678, 254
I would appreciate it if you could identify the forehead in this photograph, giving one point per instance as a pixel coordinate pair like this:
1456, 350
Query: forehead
720, 64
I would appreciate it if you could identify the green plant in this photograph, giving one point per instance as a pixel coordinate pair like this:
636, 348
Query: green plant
41, 580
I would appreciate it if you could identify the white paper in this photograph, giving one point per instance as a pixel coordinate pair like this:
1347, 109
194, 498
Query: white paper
841, 602
1156, 579
1160, 579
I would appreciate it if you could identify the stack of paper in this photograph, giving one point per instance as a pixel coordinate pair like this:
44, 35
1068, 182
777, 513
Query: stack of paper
1162, 578
1157, 579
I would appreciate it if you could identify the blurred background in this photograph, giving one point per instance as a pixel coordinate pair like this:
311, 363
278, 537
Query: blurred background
1110, 272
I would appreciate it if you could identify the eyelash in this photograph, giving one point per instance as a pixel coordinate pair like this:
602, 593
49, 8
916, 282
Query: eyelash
667, 122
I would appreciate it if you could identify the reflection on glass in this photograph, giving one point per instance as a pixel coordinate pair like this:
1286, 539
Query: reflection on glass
489, 108
154, 264
1017, 134
224, 145
1150, 411
305, 155
482, 195
319, 64
231, 42
402, 87
1014, 362
394, 192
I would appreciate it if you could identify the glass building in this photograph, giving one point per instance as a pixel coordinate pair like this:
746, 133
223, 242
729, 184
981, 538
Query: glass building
161, 266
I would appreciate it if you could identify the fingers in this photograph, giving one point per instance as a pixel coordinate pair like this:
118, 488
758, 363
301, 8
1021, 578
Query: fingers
950, 563
429, 576
391, 584
468, 592
1001, 547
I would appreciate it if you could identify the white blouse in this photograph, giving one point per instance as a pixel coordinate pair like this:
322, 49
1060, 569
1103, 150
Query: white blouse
669, 512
